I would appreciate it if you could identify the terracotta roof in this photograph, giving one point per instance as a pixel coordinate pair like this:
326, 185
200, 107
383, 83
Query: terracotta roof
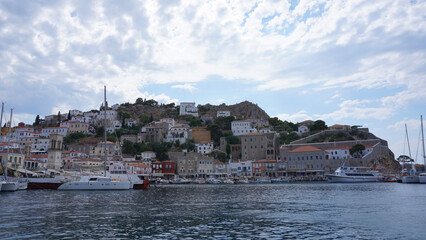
218, 162
253, 134
306, 149
141, 165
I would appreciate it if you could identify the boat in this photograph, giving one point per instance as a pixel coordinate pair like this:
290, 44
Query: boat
280, 180
408, 175
180, 181
213, 181
162, 181
353, 175
98, 182
199, 181
242, 181
422, 176
228, 181
7, 185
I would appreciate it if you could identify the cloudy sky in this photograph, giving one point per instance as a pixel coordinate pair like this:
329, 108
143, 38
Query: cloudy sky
347, 62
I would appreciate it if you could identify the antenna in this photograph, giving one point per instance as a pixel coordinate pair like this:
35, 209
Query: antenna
105, 132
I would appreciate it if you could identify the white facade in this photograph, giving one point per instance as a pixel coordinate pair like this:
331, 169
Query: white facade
75, 112
45, 132
302, 129
170, 121
81, 119
91, 114
115, 106
204, 147
240, 169
205, 167
41, 144
148, 155
177, 133
242, 128
188, 108
111, 115
223, 114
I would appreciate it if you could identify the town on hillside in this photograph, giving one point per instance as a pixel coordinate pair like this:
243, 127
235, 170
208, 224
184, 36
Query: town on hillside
204, 141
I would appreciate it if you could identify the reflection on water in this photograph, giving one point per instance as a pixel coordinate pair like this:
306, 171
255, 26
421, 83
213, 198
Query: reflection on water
274, 211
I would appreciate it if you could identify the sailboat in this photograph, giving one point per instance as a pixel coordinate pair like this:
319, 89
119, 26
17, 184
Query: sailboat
7, 185
98, 182
422, 176
409, 176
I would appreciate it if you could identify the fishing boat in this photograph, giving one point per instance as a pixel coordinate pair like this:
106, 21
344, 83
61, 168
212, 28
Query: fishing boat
98, 182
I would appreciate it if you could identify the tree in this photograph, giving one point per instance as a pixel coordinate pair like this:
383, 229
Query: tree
128, 148
69, 115
356, 150
215, 132
224, 122
195, 122
59, 117
37, 121
318, 125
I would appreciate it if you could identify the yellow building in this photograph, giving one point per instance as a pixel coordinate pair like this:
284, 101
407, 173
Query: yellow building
201, 134
16, 160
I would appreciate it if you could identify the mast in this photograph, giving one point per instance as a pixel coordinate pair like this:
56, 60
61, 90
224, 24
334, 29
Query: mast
408, 141
423, 140
105, 133
1, 118
8, 143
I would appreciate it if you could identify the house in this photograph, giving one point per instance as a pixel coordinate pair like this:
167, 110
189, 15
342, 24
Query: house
339, 127
148, 155
98, 151
257, 146
265, 168
201, 134
75, 126
164, 169
178, 133
75, 112
206, 117
303, 160
302, 129
130, 138
45, 132
188, 108
240, 169
223, 114
16, 159
205, 167
220, 169
130, 122
241, 127
151, 134
170, 121
204, 147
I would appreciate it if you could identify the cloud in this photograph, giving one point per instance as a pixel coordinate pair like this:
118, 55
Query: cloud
357, 109
185, 86
295, 117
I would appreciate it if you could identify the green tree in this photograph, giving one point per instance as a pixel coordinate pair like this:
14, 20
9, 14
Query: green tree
189, 145
224, 122
73, 137
231, 139
37, 121
195, 122
356, 150
216, 133
59, 117
128, 148
318, 125
144, 119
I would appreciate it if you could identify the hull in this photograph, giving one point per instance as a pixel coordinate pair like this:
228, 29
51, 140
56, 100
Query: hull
341, 179
422, 179
9, 186
144, 185
75, 186
44, 183
410, 179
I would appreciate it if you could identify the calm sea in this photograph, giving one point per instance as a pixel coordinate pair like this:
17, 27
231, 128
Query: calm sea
273, 211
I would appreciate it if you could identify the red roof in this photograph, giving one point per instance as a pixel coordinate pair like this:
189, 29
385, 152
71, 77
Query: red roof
306, 149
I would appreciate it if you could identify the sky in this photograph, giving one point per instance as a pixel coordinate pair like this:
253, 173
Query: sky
344, 62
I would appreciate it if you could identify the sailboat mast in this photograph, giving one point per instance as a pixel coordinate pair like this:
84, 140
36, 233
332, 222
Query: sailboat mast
423, 140
8, 143
105, 133
1, 118
408, 141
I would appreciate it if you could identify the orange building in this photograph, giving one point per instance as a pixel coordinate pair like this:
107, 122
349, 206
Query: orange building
201, 134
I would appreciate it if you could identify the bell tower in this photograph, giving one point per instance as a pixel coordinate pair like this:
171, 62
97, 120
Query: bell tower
54, 153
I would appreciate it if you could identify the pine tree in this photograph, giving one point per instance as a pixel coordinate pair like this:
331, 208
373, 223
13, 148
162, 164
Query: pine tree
37, 121
59, 117
69, 115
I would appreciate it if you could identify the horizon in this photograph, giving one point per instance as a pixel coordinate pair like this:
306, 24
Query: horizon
360, 63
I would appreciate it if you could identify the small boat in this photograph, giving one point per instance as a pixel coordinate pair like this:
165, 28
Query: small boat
199, 181
391, 179
280, 180
242, 181
95, 183
9, 186
213, 181
181, 181
228, 181
162, 181
422, 178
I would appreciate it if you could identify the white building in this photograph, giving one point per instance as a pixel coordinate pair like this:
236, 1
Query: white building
148, 155
223, 114
170, 121
240, 169
81, 119
111, 115
205, 167
41, 144
75, 112
115, 106
45, 132
204, 147
242, 127
188, 108
177, 133
302, 129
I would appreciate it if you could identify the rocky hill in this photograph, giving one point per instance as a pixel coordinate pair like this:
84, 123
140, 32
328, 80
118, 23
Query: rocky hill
241, 110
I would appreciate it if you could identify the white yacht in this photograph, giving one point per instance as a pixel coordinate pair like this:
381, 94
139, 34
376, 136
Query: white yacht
422, 178
353, 175
8, 186
96, 183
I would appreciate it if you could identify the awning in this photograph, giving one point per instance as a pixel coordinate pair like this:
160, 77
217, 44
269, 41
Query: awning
157, 174
21, 170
